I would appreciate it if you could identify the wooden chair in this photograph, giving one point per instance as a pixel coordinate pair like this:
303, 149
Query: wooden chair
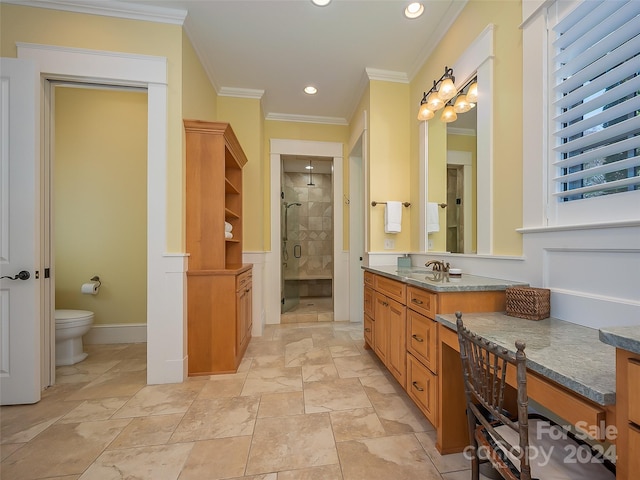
503, 438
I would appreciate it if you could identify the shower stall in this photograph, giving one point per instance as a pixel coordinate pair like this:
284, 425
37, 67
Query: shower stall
306, 219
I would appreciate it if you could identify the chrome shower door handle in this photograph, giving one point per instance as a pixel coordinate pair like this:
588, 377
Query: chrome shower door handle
297, 251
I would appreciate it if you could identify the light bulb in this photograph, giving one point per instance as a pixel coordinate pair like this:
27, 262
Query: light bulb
424, 113
472, 93
461, 105
447, 89
434, 102
448, 115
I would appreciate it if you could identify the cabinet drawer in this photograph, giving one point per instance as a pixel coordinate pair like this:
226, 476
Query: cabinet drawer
368, 279
422, 339
422, 301
368, 301
391, 288
633, 384
422, 388
369, 331
243, 280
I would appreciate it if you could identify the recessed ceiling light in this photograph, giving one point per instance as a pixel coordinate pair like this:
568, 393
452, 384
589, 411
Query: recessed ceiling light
321, 3
414, 10
310, 90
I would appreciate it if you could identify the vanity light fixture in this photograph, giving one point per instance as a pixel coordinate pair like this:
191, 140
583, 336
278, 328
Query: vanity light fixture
459, 102
414, 10
442, 91
310, 90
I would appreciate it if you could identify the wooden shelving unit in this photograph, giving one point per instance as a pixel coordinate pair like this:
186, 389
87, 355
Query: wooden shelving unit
219, 285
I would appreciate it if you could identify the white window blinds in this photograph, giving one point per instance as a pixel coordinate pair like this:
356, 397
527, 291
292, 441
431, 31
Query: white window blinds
597, 100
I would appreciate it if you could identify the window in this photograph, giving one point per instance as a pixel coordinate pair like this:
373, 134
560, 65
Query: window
595, 109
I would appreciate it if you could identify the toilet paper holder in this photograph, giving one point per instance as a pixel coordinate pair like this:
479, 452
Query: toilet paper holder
96, 278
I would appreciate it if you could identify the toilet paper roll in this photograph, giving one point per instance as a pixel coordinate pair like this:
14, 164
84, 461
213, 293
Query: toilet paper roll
90, 288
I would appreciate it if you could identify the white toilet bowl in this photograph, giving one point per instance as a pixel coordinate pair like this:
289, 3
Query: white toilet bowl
71, 325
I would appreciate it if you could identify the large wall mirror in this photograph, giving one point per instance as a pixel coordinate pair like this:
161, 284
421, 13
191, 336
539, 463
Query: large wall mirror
461, 198
469, 208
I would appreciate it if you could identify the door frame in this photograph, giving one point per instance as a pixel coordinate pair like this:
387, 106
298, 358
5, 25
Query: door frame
280, 147
166, 330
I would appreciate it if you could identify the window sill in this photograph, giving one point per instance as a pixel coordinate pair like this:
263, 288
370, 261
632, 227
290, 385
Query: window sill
584, 226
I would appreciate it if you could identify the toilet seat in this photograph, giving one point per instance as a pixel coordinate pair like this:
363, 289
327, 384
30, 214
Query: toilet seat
68, 318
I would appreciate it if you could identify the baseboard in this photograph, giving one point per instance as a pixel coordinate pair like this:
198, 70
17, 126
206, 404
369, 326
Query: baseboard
117, 333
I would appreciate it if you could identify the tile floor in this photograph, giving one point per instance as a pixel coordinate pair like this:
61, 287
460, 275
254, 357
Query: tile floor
308, 402
310, 309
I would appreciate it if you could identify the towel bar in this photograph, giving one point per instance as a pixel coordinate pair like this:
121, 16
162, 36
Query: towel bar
373, 204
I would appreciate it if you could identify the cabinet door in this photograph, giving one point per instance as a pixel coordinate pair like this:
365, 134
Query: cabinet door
422, 387
381, 324
633, 384
422, 339
634, 450
397, 332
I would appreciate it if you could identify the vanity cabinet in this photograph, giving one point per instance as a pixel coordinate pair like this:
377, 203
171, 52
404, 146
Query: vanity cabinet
219, 285
405, 335
627, 413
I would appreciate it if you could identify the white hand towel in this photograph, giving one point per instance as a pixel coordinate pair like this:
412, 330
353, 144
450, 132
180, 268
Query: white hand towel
228, 235
227, 227
393, 217
433, 221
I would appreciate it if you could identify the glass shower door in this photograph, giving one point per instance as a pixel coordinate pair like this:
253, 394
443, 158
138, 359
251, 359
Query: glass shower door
290, 254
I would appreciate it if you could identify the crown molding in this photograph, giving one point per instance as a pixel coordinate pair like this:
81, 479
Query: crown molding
241, 92
111, 8
285, 117
386, 75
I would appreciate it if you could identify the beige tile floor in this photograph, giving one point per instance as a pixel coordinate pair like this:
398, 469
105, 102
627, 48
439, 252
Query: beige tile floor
310, 309
308, 402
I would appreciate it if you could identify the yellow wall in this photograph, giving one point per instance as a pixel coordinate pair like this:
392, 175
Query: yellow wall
245, 117
507, 131
100, 202
53, 27
297, 131
388, 160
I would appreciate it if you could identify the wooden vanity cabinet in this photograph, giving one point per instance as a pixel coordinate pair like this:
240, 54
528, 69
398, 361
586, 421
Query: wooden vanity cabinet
405, 336
627, 414
219, 285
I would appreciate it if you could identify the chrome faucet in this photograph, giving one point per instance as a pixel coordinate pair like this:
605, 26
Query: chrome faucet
437, 265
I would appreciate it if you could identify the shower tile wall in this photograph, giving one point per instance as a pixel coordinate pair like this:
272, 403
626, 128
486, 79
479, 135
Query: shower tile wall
315, 232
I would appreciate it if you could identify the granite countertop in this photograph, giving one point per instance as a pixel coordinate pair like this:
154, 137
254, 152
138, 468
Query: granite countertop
569, 354
440, 281
627, 338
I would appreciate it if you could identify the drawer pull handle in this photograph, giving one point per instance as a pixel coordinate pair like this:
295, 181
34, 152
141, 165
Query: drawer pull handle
415, 300
417, 338
417, 387
367, 329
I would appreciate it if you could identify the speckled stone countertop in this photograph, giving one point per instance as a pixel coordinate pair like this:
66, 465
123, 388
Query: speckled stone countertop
440, 281
567, 353
627, 338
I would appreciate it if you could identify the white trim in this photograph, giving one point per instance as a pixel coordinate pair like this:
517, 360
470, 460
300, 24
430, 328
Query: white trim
116, 333
280, 147
386, 75
110, 8
288, 117
166, 286
241, 93
584, 226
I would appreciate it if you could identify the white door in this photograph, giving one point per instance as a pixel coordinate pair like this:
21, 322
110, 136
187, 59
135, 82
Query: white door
19, 233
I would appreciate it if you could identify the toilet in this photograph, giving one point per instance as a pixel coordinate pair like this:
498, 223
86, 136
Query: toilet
71, 325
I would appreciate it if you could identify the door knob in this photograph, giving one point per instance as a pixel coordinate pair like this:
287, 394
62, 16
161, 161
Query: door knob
23, 275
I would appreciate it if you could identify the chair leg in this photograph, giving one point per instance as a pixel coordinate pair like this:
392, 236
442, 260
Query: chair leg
475, 461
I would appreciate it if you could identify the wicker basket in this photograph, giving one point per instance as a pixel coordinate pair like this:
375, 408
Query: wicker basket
528, 302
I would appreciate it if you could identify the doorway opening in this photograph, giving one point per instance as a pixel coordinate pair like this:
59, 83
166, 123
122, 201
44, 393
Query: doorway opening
307, 239
97, 211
